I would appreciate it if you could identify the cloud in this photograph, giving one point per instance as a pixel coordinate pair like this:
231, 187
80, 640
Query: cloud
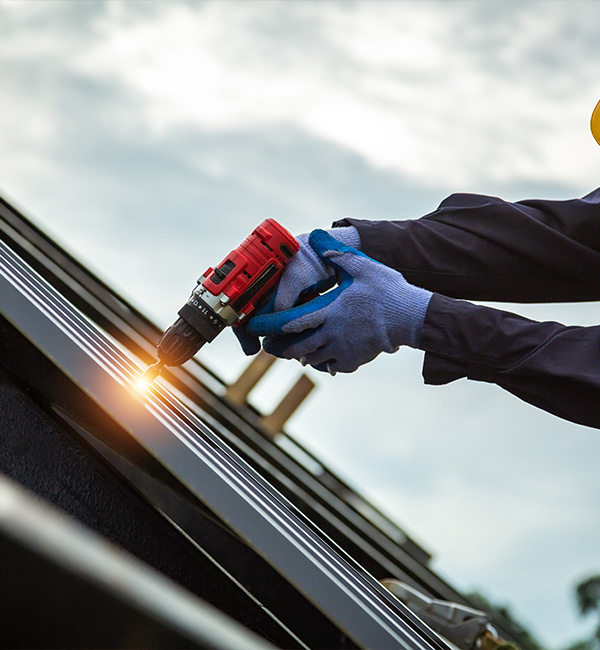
406, 86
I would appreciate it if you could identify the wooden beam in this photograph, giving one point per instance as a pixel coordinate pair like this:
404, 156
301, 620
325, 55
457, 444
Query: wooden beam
239, 390
274, 423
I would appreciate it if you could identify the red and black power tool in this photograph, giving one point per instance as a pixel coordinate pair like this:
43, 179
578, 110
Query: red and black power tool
227, 295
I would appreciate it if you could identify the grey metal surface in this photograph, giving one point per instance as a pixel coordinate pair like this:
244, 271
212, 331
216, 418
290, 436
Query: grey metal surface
191, 451
119, 599
58, 446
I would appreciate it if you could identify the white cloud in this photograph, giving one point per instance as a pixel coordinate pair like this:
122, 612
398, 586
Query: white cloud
393, 82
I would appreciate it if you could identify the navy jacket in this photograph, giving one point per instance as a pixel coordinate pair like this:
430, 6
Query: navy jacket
482, 248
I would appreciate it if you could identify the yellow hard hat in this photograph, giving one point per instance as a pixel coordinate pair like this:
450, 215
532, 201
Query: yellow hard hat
595, 123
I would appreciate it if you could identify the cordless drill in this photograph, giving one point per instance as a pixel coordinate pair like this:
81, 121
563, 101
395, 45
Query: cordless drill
227, 295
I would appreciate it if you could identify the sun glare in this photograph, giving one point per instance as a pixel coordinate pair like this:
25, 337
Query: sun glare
142, 384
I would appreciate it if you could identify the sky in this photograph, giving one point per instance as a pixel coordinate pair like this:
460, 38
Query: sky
150, 138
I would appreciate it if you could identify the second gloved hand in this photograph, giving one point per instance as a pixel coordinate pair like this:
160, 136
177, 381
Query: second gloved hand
305, 274
372, 310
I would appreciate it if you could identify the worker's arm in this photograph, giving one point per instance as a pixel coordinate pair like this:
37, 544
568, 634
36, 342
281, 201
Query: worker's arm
374, 309
549, 365
482, 248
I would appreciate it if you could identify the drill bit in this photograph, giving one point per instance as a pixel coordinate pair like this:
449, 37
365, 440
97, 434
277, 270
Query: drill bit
151, 373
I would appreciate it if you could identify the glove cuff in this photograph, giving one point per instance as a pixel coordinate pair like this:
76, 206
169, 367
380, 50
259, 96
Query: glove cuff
410, 308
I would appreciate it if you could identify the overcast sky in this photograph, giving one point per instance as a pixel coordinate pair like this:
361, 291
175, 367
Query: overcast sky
150, 138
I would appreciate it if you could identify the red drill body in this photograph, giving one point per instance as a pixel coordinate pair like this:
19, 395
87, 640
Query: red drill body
227, 294
253, 268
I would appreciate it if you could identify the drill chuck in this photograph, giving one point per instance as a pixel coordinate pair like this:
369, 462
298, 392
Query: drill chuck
200, 320
179, 343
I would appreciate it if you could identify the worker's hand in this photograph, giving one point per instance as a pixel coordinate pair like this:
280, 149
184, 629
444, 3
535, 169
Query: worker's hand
305, 274
372, 310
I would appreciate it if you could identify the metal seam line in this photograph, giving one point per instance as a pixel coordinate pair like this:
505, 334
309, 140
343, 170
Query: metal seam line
352, 581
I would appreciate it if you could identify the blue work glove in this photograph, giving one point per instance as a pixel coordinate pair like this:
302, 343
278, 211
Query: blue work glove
372, 310
305, 274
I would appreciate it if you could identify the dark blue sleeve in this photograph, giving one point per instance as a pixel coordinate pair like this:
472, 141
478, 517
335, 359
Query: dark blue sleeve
549, 365
483, 248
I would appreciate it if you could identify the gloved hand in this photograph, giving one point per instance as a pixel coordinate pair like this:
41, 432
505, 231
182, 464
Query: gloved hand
372, 310
306, 273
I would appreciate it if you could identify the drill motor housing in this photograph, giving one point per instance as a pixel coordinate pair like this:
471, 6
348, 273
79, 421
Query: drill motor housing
229, 293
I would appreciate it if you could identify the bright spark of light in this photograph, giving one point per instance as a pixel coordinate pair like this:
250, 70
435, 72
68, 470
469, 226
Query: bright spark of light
142, 384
